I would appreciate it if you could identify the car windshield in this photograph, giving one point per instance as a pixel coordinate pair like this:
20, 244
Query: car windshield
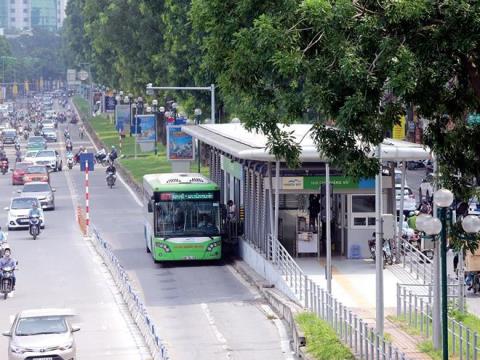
31, 153
23, 203
22, 166
36, 170
46, 153
36, 139
9, 133
187, 218
42, 325
43, 187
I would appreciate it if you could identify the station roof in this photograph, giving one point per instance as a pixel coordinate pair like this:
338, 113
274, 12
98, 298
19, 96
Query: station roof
236, 140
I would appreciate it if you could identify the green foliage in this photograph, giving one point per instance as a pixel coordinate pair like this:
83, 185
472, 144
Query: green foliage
322, 341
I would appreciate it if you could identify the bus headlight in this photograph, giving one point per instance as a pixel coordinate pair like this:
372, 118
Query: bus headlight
163, 246
212, 246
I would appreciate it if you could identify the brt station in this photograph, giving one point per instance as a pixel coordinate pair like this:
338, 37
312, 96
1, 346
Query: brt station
248, 174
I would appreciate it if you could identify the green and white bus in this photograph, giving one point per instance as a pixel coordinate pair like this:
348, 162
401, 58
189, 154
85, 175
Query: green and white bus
182, 217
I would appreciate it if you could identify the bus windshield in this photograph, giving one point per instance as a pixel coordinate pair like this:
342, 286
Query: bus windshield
186, 218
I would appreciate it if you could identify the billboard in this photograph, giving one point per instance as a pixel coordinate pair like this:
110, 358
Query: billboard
71, 76
122, 116
110, 104
179, 144
145, 128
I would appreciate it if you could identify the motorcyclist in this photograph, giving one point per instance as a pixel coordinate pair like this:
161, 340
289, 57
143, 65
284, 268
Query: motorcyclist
113, 154
18, 155
111, 170
66, 132
81, 131
3, 155
34, 211
8, 261
69, 145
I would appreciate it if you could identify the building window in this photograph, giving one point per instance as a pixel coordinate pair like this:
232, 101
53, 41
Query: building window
12, 10
25, 11
12, 1
25, 19
363, 211
12, 20
25, 1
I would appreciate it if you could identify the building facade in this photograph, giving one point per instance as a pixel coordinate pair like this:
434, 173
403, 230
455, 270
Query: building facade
21, 15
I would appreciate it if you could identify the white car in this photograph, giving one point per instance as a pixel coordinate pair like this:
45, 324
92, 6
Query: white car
18, 212
30, 156
49, 158
48, 124
398, 178
42, 334
409, 202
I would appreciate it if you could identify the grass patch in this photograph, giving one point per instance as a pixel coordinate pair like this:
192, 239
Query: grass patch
404, 325
427, 348
145, 163
468, 319
322, 341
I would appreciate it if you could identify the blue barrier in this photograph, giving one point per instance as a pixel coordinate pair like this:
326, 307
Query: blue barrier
134, 303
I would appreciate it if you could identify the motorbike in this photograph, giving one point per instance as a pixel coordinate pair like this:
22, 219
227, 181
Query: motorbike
25, 135
111, 179
69, 147
18, 157
34, 226
4, 166
102, 158
70, 160
6, 287
387, 251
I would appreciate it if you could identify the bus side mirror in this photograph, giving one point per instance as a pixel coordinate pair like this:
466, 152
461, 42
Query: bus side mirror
150, 207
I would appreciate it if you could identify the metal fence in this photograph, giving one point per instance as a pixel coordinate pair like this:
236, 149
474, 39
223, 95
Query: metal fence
416, 309
416, 262
135, 305
351, 329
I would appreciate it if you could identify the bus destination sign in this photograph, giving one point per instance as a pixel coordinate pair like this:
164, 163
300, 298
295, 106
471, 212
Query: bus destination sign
186, 196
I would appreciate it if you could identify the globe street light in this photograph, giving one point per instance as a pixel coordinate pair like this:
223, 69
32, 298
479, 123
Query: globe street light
471, 224
443, 198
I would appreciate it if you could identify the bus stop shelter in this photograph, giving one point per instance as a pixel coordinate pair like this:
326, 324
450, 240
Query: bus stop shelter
274, 199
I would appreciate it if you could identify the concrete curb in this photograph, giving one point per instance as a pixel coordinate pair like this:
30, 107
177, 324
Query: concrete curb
285, 309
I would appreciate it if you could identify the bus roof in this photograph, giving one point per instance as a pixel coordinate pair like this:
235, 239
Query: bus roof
179, 182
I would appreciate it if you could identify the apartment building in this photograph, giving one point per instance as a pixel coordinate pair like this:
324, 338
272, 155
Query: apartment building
32, 14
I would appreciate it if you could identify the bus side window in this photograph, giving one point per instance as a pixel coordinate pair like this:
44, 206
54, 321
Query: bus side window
150, 206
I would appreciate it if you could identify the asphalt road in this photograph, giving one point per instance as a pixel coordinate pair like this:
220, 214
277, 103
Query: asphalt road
202, 310
60, 269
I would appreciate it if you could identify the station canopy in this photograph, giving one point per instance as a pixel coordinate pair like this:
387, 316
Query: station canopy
236, 140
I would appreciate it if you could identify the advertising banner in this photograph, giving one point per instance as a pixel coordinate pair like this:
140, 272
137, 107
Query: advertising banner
399, 130
110, 104
179, 144
145, 128
122, 116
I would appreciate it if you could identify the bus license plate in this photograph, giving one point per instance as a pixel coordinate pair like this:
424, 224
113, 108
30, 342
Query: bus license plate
44, 358
189, 258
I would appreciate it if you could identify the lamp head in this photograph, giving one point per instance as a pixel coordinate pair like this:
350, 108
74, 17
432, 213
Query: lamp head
198, 112
432, 226
126, 99
154, 102
471, 224
421, 220
174, 105
162, 109
443, 198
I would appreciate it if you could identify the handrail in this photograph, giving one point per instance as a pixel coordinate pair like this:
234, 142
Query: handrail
355, 332
417, 262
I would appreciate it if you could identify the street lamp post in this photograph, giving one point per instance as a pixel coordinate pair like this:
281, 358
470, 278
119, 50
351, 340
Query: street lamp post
442, 198
155, 110
198, 114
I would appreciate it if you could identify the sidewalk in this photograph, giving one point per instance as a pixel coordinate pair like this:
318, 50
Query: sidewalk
353, 283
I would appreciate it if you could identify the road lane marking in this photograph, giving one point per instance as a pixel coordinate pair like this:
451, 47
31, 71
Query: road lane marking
220, 338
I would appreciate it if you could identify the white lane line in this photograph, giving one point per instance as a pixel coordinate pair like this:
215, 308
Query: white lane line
129, 189
220, 338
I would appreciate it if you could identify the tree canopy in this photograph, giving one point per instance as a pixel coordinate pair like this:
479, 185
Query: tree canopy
356, 63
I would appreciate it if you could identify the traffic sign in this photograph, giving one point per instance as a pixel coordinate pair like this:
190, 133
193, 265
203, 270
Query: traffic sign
83, 75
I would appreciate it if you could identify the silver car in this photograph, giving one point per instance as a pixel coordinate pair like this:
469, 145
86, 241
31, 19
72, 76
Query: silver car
42, 191
42, 334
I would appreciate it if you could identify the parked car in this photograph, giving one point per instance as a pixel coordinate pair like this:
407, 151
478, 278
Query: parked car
409, 202
18, 212
42, 334
42, 191
36, 143
19, 172
49, 158
417, 164
50, 134
36, 173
